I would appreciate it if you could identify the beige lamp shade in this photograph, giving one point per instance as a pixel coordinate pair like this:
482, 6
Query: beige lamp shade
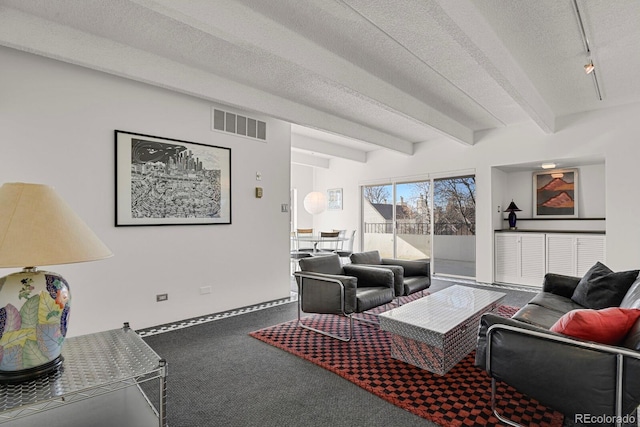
38, 228
315, 202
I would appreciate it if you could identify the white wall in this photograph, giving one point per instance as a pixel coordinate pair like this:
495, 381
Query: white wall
611, 135
58, 123
302, 182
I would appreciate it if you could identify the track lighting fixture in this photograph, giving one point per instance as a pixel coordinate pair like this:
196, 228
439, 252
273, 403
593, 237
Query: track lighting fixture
589, 68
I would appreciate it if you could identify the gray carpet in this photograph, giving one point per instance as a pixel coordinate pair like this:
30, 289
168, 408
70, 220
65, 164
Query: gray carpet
220, 376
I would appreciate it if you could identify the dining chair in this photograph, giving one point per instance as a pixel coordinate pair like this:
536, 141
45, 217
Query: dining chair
347, 248
307, 246
295, 253
328, 243
341, 234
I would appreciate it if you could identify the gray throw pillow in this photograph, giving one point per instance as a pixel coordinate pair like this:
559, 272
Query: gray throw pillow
632, 297
601, 287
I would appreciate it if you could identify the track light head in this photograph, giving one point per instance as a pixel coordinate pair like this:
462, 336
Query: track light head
589, 68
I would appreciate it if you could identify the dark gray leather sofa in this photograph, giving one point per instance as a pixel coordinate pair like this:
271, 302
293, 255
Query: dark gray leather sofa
576, 377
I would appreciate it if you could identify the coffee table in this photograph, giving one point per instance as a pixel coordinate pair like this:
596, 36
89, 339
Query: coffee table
437, 331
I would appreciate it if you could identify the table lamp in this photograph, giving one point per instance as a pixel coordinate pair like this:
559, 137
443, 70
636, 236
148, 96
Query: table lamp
512, 209
37, 228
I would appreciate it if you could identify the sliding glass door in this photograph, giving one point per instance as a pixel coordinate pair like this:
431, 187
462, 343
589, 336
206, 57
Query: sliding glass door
397, 221
454, 231
378, 219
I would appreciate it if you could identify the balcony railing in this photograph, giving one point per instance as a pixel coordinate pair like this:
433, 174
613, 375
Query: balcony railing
440, 228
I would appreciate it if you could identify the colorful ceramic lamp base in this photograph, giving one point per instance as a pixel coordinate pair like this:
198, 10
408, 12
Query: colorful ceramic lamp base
34, 315
23, 375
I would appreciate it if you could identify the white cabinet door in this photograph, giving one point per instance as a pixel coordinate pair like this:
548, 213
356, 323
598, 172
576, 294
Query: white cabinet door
589, 250
574, 254
532, 255
561, 254
520, 258
506, 257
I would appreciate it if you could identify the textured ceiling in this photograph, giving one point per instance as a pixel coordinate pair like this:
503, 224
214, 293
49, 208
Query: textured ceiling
369, 74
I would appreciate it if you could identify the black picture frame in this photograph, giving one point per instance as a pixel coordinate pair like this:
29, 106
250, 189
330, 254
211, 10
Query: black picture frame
165, 181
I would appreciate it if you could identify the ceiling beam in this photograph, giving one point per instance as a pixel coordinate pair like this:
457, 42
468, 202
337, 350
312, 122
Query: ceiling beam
472, 31
323, 147
310, 56
309, 160
24, 31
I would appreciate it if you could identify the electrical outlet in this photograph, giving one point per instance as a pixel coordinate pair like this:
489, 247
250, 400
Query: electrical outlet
162, 297
284, 207
205, 290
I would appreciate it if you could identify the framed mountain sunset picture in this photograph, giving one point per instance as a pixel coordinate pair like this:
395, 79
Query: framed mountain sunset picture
555, 194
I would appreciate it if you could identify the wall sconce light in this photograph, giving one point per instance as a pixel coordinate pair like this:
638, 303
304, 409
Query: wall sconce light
512, 209
548, 165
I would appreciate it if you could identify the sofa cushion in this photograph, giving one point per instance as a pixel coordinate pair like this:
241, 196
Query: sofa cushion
328, 264
370, 257
415, 284
539, 316
632, 297
601, 287
607, 326
555, 302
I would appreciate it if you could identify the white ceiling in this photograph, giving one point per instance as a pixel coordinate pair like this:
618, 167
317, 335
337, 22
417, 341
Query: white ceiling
354, 75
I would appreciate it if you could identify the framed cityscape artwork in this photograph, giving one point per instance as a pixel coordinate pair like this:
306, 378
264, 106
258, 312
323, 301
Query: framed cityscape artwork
555, 194
163, 181
334, 199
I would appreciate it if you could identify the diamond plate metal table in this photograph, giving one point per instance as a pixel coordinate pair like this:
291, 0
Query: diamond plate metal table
93, 365
437, 331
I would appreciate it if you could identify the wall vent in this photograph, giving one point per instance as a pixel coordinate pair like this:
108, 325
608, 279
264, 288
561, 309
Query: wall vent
225, 121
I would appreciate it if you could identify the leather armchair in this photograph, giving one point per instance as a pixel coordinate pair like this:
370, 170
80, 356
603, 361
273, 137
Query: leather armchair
327, 287
409, 276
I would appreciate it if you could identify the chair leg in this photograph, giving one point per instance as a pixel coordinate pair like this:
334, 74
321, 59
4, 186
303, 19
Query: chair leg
493, 406
338, 337
368, 312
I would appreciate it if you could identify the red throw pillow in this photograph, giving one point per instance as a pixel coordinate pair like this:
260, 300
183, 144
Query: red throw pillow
606, 326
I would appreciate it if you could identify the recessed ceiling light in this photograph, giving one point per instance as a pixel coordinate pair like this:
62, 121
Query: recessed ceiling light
548, 165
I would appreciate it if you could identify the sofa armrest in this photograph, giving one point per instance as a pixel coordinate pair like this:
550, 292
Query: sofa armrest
560, 284
326, 293
370, 276
486, 321
570, 375
411, 267
398, 276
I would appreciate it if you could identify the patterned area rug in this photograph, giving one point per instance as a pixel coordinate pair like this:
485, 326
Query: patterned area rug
462, 397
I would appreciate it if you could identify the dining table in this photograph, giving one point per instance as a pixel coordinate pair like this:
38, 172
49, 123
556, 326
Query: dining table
316, 238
